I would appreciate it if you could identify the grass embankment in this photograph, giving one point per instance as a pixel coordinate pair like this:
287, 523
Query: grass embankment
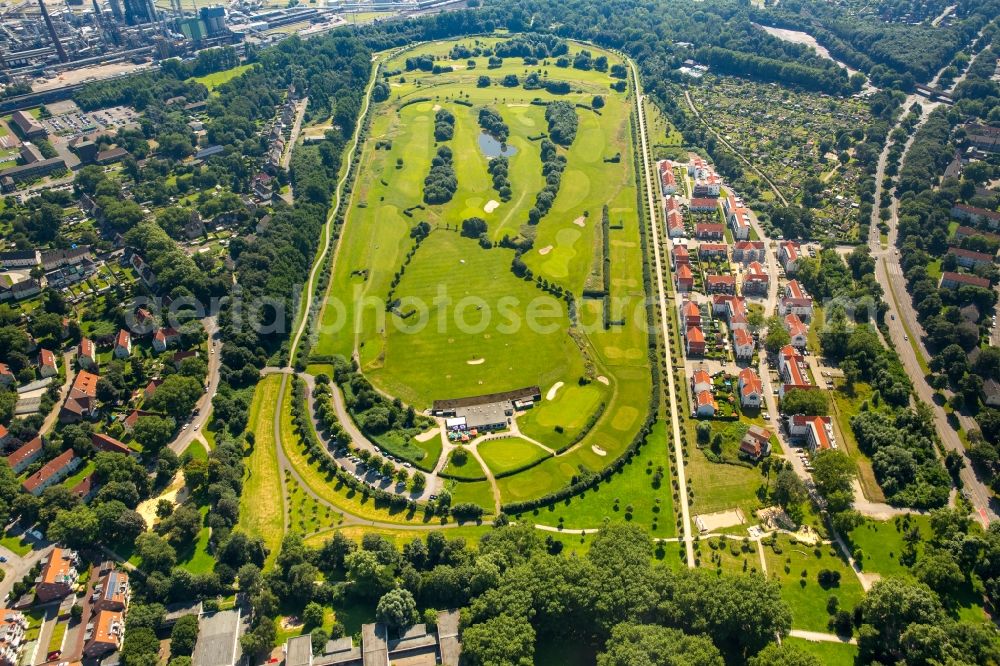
261, 510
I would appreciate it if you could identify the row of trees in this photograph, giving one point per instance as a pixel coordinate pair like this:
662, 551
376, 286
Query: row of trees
441, 183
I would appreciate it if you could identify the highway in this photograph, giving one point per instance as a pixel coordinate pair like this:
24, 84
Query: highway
662, 275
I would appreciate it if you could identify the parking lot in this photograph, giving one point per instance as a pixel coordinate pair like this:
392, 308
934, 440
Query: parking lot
74, 122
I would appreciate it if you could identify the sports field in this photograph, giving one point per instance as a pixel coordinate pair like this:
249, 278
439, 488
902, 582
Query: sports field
446, 318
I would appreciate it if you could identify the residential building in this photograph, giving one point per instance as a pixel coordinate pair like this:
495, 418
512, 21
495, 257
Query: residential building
738, 217
756, 279
262, 187
4, 436
695, 341
788, 254
52, 259
104, 442
675, 220
963, 232
756, 443
33, 170
796, 301
133, 418
817, 431
703, 205
720, 284
706, 182
86, 489
679, 254
684, 278
104, 634
20, 290
53, 472
746, 251
112, 593
668, 181
701, 381
792, 368
713, 251
81, 401
13, 625
86, 354
951, 280
151, 388
47, 364
7, 377
976, 215
751, 388
28, 453
743, 344
797, 331
709, 231
991, 392
732, 308
123, 344
969, 258
705, 405
28, 125
165, 337
690, 314
20, 259
58, 576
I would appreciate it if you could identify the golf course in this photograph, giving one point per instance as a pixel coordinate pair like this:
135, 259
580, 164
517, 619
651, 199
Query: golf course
544, 287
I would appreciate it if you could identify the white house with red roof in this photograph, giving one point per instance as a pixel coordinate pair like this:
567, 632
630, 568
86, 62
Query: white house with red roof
732, 308
668, 181
797, 331
684, 278
788, 254
713, 251
756, 279
745, 251
751, 388
709, 231
743, 344
680, 255
796, 301
701, 381
791, 365
86, 354
756, 443
817, 431
123, 344
47, 364
703, 205
164, 338
690, 314
738, 217
705, 404
720, 284
675, 220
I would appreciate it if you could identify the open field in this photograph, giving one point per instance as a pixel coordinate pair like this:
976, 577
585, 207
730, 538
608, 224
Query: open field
216, 79
460, 322
263, 518
830, 654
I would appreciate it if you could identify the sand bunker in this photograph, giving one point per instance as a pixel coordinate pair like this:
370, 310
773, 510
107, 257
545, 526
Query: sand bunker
551, 395
545, 250
491, 205
437, 107
427, 436
476, 361
598, 450
604, 380
511, 105
580, 221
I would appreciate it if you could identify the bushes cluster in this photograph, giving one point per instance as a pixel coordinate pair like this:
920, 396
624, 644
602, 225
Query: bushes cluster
553, 165
498, 169
493, 124
444, 125
441, 183
562, 120
424, 63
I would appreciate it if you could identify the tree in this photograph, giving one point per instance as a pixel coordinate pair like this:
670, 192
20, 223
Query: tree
777, 337
483, 81
938, 570
474, 227
598, 102
789, 490
652, 645
176, 396
183, 636
397, 609
889, 608
312, 615
833, 472
156, 553
153, 432
76, 528
138, 646
785, 654
805, 401
504, 639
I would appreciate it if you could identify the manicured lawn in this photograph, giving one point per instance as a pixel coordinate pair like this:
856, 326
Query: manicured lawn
829, 654
469, 469
198, 560
633, 486
58, 635
508, 454
471, 533
15, 544
216, 79
845, 406
260, 507
423, 455
882, 542
725, 555
305, 514
197, 450
477, 492
808, 601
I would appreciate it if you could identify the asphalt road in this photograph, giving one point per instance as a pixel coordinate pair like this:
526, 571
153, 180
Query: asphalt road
204, 404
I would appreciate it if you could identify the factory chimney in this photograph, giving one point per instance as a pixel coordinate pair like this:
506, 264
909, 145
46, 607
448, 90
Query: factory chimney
116, 10
52, 31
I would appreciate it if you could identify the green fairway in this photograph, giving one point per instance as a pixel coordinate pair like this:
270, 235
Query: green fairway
468, 469
444, 318
503, 456
476, 492
634, 486
263, 519
881, 543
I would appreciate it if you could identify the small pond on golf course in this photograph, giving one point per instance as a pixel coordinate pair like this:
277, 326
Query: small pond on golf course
493, 148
